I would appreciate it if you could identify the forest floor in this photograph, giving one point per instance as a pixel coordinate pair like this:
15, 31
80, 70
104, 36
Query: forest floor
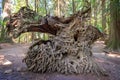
12, 68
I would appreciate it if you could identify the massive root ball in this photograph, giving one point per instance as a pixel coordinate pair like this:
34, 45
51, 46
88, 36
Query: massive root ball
64, 53
68, 52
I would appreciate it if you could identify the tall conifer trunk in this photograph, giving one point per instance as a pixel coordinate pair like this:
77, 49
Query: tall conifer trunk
103, 15
114, 39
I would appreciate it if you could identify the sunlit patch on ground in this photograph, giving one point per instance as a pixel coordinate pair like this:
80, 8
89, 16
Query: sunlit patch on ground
99, 42
4, 61
114, 55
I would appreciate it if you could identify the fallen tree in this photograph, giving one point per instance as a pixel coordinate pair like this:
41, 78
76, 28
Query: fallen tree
68, 51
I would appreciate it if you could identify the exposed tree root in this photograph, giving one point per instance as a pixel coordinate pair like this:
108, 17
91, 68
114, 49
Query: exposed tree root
40, 60
68, 52
64, 54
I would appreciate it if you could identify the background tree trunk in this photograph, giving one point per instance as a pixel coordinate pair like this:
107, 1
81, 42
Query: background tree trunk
6, 15
27, 3
95, 13
73, 6
103, 15
114, 39
6, 8
58, 8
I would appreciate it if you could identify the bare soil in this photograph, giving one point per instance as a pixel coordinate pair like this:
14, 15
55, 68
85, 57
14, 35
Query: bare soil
16, 52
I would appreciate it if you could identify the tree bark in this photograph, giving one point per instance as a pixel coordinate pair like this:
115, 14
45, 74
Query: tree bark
114, 39
6, 8
103, 15
27, 3
73, 6
95, 14
6, 15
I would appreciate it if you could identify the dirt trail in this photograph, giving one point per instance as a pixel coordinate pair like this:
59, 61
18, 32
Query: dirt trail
16, 52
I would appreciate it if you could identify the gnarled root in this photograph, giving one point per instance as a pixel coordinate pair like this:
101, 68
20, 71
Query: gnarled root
42, 58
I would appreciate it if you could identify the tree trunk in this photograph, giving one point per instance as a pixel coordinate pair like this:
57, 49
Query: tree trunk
27, 3
44, 34
45, 7
114, 39
73, 6
6, 15
95, 14
58, 8
103, 15
6, 8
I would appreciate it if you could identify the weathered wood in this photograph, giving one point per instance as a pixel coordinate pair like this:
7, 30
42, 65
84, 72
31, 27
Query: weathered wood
68, 52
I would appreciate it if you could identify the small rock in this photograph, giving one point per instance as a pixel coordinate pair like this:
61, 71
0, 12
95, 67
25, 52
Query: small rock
18, 69
8, 71
22, 73
21, 69
6, 62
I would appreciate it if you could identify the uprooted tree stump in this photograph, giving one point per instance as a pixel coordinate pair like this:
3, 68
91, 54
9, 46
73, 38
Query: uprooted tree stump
68, 51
